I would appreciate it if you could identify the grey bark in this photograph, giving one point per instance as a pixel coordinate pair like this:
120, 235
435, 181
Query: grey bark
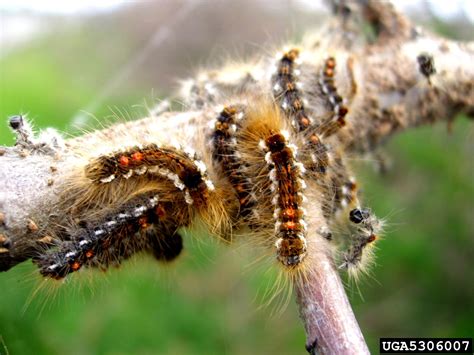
393, 96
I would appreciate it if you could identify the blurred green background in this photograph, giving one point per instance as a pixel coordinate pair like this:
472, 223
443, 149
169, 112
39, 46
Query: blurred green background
209, 301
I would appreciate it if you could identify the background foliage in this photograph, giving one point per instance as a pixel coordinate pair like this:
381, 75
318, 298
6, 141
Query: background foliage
208, 302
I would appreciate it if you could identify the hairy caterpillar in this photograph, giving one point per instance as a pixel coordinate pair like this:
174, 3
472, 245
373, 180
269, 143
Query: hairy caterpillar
145, 224
255, 167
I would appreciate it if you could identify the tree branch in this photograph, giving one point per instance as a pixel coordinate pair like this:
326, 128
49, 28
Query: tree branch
392, 93
330, 324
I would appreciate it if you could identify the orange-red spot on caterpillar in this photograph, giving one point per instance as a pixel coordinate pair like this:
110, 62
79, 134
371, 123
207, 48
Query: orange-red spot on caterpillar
284, 70
143, 222
160, 211
297, 104
352, 186
372, 238
291, 54
289, 225
75, 266
343, 110
229, 110
329, 72
314, 139
305, 121
331, 63
289, 213
137, 156
89, 254
240, 188
222, 126
341, 121
124, 161
234, 174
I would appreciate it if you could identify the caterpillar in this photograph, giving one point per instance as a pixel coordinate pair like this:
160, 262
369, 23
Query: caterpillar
254, 165
140, 225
